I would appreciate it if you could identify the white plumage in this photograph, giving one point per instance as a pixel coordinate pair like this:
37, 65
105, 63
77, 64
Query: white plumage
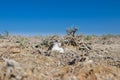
57, 48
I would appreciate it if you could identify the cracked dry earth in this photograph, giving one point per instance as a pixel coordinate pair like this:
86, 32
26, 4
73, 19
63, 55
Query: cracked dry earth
24, 58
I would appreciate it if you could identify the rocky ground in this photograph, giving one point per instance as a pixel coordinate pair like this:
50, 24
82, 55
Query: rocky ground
84, 58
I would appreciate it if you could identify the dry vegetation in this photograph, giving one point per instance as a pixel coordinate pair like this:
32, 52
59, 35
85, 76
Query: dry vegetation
84, 58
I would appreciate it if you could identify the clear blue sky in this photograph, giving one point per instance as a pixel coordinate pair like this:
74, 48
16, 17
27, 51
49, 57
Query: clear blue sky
54, 16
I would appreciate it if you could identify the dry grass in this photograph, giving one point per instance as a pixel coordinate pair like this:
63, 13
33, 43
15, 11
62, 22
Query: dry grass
85, 58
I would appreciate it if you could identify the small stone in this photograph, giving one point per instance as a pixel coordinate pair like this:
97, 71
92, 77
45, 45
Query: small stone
15, 50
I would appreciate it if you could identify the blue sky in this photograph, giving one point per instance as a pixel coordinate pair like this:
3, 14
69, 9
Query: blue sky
54, 16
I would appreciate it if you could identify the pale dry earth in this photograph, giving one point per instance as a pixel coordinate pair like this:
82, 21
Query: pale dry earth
84, 58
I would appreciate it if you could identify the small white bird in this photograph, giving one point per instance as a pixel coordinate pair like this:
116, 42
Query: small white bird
57, 48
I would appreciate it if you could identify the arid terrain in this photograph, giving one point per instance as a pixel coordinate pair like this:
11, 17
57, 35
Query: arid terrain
79, 57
